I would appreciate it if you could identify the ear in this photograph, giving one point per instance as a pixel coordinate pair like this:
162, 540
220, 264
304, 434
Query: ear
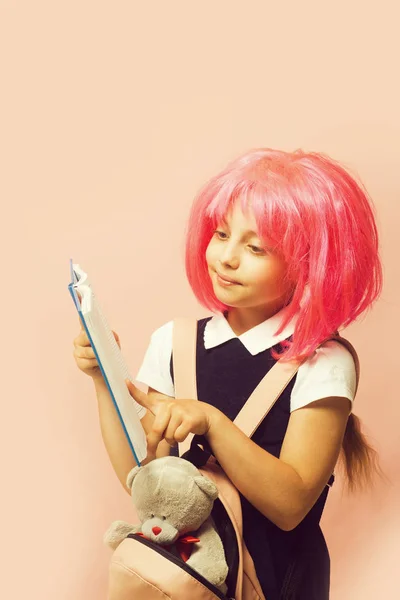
131, 476
207, 486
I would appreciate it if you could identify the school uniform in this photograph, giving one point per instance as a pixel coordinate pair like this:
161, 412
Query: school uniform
228, 368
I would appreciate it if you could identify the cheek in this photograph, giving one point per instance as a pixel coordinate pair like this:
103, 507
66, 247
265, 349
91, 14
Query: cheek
211, 254
279, 277
270, 274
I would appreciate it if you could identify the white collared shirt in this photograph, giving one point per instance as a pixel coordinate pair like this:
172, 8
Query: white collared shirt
329, 372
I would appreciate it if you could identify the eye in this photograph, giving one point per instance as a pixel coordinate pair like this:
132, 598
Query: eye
151, 516
164, 517
257, 250
219, 233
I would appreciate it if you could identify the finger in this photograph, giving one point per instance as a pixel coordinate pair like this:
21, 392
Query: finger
116, 336
141, 398
160, 424
182, 432
82, 340
174, 422
84, 352
88, 363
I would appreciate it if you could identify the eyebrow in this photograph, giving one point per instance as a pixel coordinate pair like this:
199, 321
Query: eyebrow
247, 233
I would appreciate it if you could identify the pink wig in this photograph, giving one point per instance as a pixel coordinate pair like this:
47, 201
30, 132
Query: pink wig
317, 217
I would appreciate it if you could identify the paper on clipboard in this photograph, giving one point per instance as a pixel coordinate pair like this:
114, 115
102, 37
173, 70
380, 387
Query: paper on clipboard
110, 360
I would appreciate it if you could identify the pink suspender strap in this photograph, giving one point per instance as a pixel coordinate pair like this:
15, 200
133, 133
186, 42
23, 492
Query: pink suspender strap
271, 387
264, 396
184, 341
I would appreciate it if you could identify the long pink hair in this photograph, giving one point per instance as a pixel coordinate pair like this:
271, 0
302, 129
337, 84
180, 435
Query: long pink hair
311, 211
317, 217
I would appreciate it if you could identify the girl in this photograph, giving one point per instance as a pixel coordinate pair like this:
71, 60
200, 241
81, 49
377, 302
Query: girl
283, 249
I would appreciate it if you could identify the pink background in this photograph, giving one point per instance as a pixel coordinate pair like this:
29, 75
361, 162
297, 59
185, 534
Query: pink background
112, 116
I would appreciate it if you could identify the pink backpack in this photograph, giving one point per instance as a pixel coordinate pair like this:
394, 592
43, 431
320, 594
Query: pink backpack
140, 569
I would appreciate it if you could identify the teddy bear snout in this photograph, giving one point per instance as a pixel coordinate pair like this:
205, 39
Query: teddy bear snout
156, 530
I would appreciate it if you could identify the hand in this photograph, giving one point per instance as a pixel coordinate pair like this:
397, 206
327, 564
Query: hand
173, 419
84, 354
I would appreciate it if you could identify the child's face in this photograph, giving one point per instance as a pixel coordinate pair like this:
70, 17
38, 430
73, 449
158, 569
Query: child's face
236, 253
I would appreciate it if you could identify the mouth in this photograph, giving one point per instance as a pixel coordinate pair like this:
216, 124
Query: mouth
226, 280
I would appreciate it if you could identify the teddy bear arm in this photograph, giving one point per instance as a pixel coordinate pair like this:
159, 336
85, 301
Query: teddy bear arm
118, 531
208, 556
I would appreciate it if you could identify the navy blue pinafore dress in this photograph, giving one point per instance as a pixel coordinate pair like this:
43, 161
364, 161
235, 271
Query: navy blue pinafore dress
291, 565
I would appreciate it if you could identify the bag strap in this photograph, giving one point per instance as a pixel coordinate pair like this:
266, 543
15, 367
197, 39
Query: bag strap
184, 341
263, 397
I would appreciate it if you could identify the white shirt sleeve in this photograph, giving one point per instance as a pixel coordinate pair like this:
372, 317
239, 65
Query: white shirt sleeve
329, 372
154, 370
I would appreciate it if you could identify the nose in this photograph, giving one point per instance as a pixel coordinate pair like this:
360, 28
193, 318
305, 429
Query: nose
228, 256
156, 530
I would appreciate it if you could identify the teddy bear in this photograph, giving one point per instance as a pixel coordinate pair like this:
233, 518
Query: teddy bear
173, 499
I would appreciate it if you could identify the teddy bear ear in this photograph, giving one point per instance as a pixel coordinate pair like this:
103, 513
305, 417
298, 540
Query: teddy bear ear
131, 476
207, 486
